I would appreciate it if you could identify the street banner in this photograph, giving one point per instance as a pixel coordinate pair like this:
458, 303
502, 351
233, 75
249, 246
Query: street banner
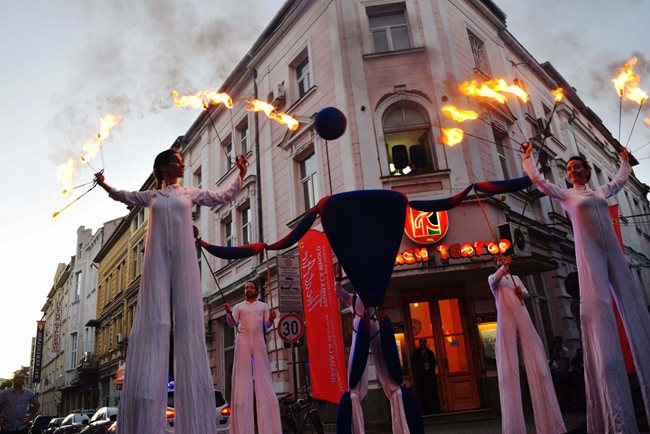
289, 295
625, 345
56, 326
38, 352
322, 315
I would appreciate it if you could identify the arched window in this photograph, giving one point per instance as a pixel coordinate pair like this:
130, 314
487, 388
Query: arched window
408, 144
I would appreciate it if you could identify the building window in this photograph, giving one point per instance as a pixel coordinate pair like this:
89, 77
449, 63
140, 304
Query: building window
227, 153
77, 286
197, 178
242, 133
407, 134
138, 220
499, 137
478, 51
303, 75
227, 233
309, 188
73, 350
245, 219
388, 27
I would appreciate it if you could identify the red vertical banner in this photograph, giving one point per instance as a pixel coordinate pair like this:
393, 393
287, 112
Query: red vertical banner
321, 308
625, 345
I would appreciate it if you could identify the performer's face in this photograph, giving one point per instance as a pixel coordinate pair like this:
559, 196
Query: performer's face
249, 290
175, 167
576, 171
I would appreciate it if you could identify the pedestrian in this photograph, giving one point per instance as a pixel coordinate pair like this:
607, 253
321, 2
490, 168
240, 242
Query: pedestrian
601, 266
514, 321
423, 362
18, 407
170, 283
251, 370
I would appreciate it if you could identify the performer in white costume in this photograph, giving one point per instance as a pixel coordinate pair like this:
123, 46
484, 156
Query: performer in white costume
601, 266
512, 321
252, 368
170, 282
392, 390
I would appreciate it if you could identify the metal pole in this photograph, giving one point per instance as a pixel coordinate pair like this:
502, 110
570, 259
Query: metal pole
295, 371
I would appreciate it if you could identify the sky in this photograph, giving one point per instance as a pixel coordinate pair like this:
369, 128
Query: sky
66, 63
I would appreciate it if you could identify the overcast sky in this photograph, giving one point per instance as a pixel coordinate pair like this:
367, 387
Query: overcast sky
65, 63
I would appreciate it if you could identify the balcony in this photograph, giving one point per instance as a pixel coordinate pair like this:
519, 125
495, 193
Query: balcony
87, 365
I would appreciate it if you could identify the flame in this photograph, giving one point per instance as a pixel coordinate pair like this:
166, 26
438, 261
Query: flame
636, 94
646, 121
65, 173
458, 115
500, 85
626, 76
202, 99
451, 136
281, 118
106, 124
558, 94
473, 89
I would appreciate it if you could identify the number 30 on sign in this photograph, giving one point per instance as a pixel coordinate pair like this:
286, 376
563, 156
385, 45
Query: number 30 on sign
291, 328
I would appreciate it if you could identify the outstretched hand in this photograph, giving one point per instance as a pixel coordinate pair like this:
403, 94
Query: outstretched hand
527, 149
624, 153
242, 165
272, 315
99, 177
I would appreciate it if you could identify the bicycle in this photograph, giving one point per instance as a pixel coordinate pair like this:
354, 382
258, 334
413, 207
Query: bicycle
295, 415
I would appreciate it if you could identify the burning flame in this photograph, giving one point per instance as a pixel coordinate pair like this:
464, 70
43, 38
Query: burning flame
65, 173
558, 94
646, 121
106, 124
451, 136
493, 89
636, 94
625, 76
473, 89
458, 115
281, 118
202, 99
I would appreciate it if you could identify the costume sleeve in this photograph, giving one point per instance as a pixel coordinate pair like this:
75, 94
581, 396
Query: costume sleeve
132, 198
265, 317
233, 319
546, 187
345, 296
616, 184
495, 278
217, 197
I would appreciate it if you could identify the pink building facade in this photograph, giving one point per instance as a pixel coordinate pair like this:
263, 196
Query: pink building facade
390, 66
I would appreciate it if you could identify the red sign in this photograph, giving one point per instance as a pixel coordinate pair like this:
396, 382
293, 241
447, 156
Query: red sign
291, 328
425, 227
321, 309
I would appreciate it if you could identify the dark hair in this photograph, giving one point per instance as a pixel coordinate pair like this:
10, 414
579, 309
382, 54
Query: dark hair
162, 159
257, 290
584, 162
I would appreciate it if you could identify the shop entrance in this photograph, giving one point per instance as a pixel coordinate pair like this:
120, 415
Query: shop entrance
440, 321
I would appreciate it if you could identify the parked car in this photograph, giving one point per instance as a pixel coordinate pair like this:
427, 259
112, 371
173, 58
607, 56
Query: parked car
222, 413
40, 424
73, 423
101, 421
53, 425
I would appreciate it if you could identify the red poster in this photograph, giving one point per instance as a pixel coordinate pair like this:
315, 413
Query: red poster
625, 345
321, 307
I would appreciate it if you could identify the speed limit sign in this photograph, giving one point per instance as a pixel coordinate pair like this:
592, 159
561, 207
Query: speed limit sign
291, 328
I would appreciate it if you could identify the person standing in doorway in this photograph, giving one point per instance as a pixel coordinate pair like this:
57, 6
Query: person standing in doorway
514, 321
424, 365
251, 371
18, 407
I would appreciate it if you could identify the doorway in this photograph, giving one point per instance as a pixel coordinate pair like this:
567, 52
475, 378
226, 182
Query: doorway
440, 321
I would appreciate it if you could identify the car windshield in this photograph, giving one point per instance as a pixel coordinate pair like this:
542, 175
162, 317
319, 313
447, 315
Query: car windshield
67, 420
99, 415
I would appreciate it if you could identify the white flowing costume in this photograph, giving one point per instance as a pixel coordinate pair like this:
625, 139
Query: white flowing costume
512, 320
601, 266
392, 390
170, 277
252, 370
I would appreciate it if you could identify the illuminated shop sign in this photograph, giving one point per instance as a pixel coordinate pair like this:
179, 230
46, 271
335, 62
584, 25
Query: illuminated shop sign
453, 251
425, 227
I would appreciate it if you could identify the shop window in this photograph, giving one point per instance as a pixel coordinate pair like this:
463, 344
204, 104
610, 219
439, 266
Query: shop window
407, 134
479, 53
389, 28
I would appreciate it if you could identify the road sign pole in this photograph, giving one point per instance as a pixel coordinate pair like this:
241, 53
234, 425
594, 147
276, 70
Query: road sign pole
295, 371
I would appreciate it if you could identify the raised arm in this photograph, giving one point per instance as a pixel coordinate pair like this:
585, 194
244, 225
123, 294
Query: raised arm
133, 198
616, 184
546, 187
495, 278
218, 197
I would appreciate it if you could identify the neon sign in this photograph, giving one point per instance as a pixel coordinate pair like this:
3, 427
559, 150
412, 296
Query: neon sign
425, 227
453, 251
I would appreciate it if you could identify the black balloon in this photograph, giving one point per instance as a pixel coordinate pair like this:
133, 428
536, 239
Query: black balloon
330, 123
